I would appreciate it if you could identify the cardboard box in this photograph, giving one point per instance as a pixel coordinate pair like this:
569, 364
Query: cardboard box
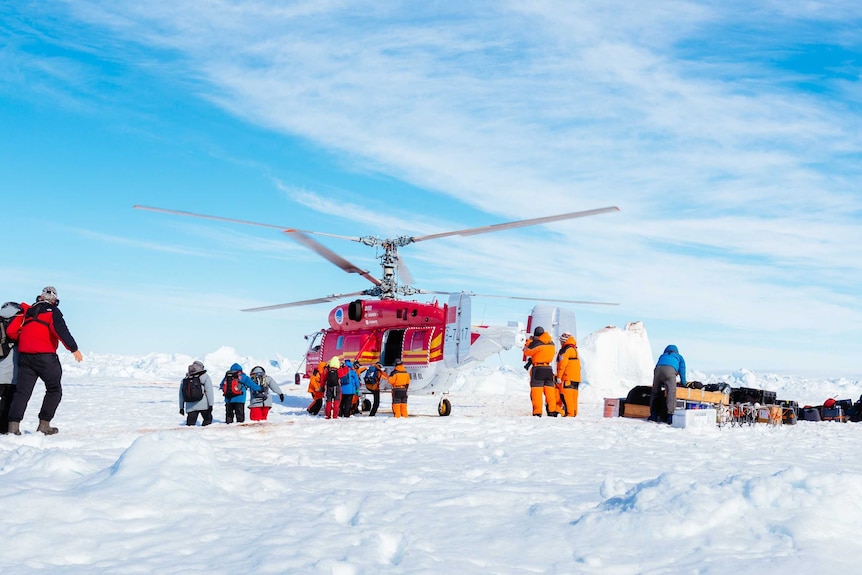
695, 418
612, 407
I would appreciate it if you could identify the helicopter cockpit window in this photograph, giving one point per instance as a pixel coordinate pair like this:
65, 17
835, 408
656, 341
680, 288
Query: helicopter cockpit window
316, 340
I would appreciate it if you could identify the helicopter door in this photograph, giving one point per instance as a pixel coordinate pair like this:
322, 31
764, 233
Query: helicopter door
393, 342
456, 344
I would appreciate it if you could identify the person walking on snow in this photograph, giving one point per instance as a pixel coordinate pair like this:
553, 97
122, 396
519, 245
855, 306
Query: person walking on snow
39, 331
399, 379
196, 375
663, 397
8, 363
539, 351
261, 401
233, 387
569, 373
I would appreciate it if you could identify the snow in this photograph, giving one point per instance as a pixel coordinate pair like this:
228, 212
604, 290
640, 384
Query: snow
126, 488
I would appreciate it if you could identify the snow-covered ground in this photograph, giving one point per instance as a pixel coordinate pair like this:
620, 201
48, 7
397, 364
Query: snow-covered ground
126, 488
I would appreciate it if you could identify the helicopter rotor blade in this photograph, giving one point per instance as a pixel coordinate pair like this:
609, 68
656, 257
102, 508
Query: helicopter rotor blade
518, 224
333, 297
403, 273
329, 255
577, 301
244, 222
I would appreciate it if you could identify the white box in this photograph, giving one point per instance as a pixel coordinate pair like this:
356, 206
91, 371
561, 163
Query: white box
695, 418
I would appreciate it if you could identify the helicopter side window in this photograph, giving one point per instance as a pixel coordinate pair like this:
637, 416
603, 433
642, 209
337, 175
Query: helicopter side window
417, 340
339, 343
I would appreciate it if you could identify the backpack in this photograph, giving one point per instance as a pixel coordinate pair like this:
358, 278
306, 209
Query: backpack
264, 387
232, 384
370, 375
5, 342
332, 377
193, 388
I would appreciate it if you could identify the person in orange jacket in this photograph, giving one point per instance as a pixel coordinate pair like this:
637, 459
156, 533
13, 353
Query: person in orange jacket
399, 379
539, 351
569, 373
315, 388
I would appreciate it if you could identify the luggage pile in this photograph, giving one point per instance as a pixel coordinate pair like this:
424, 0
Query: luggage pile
736, 406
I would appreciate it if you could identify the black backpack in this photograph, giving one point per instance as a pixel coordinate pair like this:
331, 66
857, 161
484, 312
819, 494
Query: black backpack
193, 388
332, 377
5, 343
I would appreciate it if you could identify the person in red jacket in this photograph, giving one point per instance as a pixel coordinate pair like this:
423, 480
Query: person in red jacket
39, 331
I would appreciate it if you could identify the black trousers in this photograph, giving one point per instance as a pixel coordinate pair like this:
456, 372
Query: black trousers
33, 366
346, 405
375, 393
7, 390
234, 410
206, 414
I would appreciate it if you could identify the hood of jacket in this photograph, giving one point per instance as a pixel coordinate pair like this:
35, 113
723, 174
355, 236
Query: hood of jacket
671, 349
236, 367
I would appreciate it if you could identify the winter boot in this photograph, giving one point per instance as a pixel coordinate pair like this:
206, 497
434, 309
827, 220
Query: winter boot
15, 427
45, 427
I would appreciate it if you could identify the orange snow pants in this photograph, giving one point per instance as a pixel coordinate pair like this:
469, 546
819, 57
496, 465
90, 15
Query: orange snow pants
542, 387
570, 394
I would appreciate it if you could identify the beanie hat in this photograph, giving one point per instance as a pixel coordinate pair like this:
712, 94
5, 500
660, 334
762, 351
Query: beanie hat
335, 362
49, 293
258, 370
196, 368
538, 331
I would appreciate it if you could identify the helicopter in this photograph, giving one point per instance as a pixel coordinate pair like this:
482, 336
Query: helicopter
433, 340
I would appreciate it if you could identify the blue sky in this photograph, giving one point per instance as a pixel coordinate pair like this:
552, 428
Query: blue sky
727, 132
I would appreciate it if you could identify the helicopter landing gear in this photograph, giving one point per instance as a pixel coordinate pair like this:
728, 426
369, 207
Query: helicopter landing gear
366, 405
444, 408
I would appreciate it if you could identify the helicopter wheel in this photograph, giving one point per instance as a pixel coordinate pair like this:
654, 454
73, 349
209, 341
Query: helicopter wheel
366, 405
445, 408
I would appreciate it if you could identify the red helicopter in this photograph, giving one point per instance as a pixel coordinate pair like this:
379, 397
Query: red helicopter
433, 340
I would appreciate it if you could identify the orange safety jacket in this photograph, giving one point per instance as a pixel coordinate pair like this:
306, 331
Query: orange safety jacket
568, 363
399, 377
540, 349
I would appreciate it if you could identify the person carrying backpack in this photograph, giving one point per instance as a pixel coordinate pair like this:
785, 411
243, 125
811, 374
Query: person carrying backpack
371, 377
349, 380
233, 386
39, 331
261, 401
332, 394
8, 363
196, 395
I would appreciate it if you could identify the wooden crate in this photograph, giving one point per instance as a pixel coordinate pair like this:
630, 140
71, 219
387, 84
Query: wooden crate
636, 411
699, 395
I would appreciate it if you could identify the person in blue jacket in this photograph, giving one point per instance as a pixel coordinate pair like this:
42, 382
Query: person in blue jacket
233, 386
663, 397
349, 380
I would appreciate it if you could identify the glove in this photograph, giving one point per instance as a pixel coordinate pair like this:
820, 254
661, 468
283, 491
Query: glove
281, 397
182, 411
